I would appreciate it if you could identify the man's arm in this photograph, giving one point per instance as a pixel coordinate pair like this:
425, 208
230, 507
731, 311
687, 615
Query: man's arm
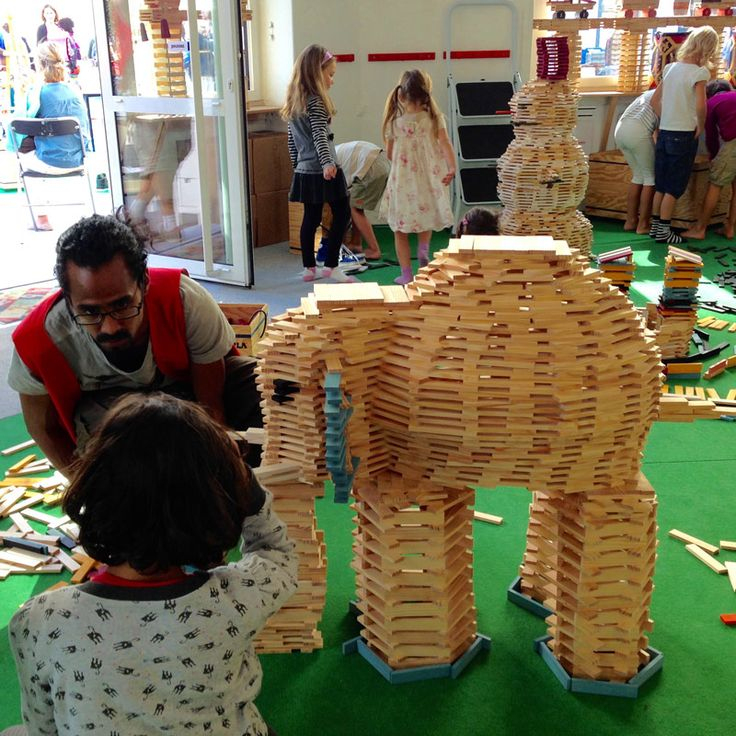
44, 425
208, 383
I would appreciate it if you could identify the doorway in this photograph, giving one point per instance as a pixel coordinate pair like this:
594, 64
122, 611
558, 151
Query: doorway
172, 88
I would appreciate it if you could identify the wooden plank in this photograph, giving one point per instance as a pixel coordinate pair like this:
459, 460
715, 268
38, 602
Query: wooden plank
27, 460
20, 521
17, 448
731, 569
26, 560
489, 518
689, 539
706, 559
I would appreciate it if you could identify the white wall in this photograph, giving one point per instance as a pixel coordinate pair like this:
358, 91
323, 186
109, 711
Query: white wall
383, 26
273, 26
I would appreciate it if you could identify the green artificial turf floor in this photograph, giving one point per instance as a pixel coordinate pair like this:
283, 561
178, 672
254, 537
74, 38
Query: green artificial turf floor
510, 690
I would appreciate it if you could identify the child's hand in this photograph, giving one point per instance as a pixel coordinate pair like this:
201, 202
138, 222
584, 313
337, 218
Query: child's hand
329, 172
449, 176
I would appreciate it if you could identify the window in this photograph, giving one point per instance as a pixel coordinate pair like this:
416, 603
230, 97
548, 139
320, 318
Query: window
601, 48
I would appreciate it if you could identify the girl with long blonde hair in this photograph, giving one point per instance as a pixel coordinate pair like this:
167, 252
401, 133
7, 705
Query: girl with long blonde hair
317, 179
680, 102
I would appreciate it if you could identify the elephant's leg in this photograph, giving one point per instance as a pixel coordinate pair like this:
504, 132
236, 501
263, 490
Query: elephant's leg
294, 627
606, 550
538, 567
414, 579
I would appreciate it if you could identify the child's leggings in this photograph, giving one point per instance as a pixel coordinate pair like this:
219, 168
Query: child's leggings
312, 218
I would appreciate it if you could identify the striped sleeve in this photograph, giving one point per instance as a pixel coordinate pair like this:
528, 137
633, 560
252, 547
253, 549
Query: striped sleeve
293, 154
318, 121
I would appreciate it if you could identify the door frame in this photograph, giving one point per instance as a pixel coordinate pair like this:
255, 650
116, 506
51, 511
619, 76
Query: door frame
228, 109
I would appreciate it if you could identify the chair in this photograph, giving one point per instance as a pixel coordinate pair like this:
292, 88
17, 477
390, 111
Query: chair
49, 128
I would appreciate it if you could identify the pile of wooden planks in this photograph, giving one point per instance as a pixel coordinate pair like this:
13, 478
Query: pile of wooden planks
678, 302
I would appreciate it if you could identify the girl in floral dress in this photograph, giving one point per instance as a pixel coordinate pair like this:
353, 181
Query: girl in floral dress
416, 199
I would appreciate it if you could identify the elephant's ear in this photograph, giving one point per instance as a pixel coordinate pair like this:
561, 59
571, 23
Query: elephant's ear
338, 409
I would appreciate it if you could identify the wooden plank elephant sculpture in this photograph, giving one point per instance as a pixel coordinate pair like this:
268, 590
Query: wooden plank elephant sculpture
506, 362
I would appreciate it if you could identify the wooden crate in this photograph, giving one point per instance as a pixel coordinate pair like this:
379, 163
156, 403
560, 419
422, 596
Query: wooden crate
610, 176
249, 324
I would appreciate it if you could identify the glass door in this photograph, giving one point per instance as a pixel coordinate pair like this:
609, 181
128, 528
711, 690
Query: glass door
172, 91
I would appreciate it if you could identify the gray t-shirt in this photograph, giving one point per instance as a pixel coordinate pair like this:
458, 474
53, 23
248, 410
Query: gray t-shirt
209, 338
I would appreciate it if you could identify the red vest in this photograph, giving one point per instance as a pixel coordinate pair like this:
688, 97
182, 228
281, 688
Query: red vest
167, 333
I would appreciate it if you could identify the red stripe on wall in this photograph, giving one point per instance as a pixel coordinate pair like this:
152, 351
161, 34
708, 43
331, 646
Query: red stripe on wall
342, 58
405, 56
479, 54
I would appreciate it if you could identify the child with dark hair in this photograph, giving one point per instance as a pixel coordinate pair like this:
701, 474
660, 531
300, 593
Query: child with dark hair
162, 638
73, 52
720, 138
478, 221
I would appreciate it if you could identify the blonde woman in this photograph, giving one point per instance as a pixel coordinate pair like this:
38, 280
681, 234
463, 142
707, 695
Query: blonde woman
55, 98
680, 103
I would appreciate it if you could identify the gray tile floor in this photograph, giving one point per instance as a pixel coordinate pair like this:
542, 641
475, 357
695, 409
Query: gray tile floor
27, 257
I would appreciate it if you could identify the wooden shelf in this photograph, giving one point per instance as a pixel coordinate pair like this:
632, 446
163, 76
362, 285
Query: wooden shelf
719, 22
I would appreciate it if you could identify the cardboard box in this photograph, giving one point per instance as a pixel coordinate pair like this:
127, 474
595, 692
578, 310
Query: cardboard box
249, 323
270, 167
271, 217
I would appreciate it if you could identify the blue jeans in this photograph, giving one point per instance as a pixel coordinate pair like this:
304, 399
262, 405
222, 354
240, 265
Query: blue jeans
673, 163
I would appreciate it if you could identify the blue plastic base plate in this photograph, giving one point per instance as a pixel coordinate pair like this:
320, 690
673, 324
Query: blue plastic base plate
415, 674
628, 689
514, 594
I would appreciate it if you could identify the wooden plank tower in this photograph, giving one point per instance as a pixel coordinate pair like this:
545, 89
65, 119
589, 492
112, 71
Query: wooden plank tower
165, 23
543, 175
506, 362
678, 303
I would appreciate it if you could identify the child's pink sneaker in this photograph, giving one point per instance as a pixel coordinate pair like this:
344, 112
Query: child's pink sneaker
309, 274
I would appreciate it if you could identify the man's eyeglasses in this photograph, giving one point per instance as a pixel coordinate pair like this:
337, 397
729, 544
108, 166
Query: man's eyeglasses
95, 318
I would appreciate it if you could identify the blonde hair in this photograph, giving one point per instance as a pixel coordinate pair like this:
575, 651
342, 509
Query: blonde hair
701, 47
307, 80
53, 62
415, 86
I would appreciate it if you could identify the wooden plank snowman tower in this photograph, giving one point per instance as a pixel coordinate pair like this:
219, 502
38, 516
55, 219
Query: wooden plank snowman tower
543, 175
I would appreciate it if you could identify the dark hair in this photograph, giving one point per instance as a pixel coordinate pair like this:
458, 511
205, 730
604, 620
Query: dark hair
716, 86
160, 484
94, 241
478, 221
67, 24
